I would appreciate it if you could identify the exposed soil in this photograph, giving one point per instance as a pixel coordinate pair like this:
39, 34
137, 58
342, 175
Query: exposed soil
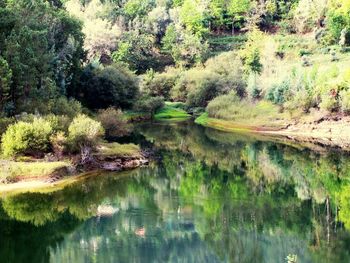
328, 131
98, 163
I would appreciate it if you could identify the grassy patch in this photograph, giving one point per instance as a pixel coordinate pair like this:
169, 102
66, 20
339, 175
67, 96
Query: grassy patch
118, 150
11, 170
203, 119
170, 112
229, 113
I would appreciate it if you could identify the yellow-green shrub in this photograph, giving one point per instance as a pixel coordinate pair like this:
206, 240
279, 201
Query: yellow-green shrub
345, 101
27, 138
84, 132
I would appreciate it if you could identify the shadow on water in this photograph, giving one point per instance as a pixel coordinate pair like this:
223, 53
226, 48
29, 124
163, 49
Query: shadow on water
210, 197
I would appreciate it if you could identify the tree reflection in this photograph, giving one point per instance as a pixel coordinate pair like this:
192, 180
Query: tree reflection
211, 197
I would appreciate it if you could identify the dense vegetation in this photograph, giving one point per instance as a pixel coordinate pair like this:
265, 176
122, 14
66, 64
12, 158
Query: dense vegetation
275, 58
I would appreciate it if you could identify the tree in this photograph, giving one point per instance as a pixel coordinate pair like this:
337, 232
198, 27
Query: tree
101, 87
192, 16
185, 48
237, 9
101, 34
136, 50
5, 80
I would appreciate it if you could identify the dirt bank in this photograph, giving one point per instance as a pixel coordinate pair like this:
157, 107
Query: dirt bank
317, 133
333, 131
69, 173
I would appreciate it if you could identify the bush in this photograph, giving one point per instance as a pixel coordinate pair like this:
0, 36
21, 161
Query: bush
220, 75
206, 88
27, 138
104, 87
84, 132
68, 107
58, 142
5, 123
229, 66
300, 100
345, 101
161, 84
198, 86
329, 102
149, 104
278, 93
113, 122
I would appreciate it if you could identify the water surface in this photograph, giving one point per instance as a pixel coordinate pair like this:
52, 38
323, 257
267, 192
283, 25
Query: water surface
209, 197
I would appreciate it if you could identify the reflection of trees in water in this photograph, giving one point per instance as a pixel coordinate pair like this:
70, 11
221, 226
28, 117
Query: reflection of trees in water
270, 169
212, 195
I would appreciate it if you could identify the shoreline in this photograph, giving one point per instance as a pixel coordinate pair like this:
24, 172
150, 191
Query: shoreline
333, 132
68, 174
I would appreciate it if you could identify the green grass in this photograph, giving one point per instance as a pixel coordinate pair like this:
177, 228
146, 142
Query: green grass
119, 150
203, 119
171, 112
11, 169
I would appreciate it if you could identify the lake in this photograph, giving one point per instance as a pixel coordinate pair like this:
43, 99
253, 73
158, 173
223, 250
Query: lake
209, 196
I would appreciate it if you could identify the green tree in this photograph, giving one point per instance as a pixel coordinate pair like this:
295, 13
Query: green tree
193, 15
5, 80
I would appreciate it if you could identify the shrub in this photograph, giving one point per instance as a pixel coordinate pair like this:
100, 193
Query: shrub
300, 100
345, 101
58, 142
229, 66
149, 104
113, 122
68, 107
328, 102
110, 86
278, 93
209, 86
5, 123
27, 138
198, 86
84, 132
220, 75
161, 84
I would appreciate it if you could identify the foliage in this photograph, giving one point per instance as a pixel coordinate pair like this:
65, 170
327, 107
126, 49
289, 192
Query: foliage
114, 122
67, 107
101, 87
135, 49
149, 104
160, 84
41, 51
279, 93
345, 101
84, 132
59, 143
27, 138
185, 47
5, 80
230, 107
329, 102
250, 55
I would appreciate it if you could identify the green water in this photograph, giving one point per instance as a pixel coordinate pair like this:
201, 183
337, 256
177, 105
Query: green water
209, 197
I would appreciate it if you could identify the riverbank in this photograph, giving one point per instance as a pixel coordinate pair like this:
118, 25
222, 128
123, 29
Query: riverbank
325, 131
34, 173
